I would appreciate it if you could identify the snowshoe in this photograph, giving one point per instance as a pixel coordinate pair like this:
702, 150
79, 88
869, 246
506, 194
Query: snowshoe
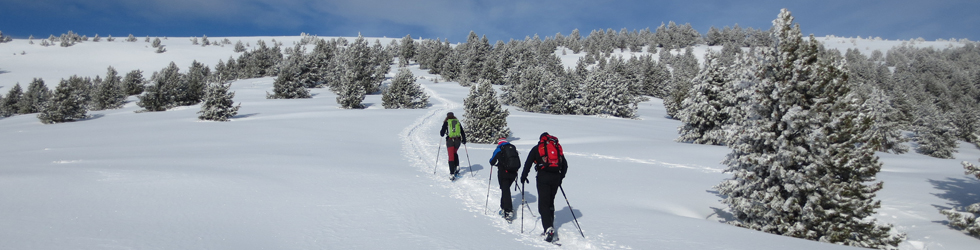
454, 177
551, 236
509, 216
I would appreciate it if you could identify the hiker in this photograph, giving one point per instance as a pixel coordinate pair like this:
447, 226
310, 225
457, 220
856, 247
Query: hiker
453, 131
508, 161
551, 167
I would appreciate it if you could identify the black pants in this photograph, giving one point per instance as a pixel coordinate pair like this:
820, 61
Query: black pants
548, 184
506, 180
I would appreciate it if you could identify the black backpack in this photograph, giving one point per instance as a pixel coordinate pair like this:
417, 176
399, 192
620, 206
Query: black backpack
510, 160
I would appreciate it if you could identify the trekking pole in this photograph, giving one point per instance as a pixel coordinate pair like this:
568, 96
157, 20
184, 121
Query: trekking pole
437, 158
487, 204
570, 210
522, 206
468, 160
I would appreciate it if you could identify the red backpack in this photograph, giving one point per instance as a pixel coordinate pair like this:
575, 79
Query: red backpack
550, 151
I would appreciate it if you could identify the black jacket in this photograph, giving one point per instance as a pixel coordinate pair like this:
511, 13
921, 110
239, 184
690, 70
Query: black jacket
534, 159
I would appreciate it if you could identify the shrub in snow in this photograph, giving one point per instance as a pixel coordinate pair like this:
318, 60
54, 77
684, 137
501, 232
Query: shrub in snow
68, 103
485, 120
404, 92
798, 166
131, 38
35, 98
218, 104
966, 219
108, 94
10, 104
156, 42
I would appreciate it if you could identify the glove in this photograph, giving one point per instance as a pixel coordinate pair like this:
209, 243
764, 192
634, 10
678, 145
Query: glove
524, 179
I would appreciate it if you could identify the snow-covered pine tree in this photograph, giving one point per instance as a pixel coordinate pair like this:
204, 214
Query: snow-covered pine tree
218, 104
108, 94
685, 68
934, 133
156, 43
239, 47
196, 81
703, 112
35, 98
406, 51
485, 120
798, 167
404, 92
606, 93
884, 134
10, 104
131, 38
966, 219
350, 93
288, 85
165, 91
133, 84
67, 103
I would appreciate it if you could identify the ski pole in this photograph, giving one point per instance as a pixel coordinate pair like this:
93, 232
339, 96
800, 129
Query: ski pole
437, 158
572, 211
468, 160
522, 206
487, 204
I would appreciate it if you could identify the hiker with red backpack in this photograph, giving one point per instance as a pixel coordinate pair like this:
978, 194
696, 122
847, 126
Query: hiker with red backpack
508, 161
550, 164
453, 131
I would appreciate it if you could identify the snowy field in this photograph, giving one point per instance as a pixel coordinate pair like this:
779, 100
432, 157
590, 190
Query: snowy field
306, 174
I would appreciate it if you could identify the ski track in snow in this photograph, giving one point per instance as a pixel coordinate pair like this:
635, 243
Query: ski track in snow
418, 139
648, 162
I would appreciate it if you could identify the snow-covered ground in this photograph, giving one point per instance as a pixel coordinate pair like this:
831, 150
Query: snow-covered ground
305, 174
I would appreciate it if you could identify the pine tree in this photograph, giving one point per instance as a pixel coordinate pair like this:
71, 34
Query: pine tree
108, 93
485, 120
35, 98
934, 133
132, 84
68, 102
884, 134
404, 93
11, 102
196, 82
606, 93
156, 43
406, 51
218, 104
798, 166
239, 47
350, 94
704, 110
166, 90
966, 219
131, 38
288, 84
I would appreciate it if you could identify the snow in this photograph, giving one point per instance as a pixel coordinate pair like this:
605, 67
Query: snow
306, 174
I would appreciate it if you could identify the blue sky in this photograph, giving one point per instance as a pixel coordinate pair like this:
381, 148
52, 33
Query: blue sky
497, 19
